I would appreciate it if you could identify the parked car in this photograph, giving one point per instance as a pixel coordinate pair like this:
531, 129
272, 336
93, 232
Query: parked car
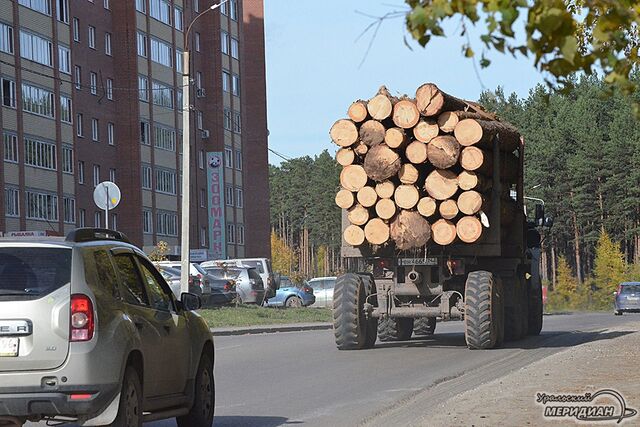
262, 266
90, 333
199, 275
290, 295
627, 298
323, 291
222, 290
249, 287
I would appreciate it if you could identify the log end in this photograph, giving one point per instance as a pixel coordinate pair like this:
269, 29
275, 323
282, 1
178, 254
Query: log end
469, 229
344, 133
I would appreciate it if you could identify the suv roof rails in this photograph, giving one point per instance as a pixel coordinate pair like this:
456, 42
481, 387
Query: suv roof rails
92, 234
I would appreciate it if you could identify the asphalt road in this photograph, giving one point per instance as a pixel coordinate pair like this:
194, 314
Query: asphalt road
301, 378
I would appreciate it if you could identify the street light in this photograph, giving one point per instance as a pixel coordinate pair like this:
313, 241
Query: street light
186, 110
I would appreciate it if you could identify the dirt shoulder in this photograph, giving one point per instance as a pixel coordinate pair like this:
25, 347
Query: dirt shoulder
511, 400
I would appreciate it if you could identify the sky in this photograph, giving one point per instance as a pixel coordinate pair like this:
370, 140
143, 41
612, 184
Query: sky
316, 67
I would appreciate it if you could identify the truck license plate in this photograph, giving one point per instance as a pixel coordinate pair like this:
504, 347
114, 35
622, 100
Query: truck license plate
417, 261
9, 347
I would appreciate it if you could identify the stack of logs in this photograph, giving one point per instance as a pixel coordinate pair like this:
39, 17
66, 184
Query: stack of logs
421, 169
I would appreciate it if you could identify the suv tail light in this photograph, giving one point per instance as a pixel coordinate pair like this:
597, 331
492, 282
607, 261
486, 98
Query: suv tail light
82, 320
619, 289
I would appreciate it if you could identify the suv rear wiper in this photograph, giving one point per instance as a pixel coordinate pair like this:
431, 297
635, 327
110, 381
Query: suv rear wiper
5, 292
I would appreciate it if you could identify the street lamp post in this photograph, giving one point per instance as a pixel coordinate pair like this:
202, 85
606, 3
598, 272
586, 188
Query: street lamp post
186, 154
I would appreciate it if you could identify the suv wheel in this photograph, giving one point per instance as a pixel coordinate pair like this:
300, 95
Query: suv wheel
201, 413
293, 302
130, 407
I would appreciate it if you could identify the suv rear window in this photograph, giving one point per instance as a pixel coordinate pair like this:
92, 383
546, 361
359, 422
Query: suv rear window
223, 273
631, 289
255, 264
31, 272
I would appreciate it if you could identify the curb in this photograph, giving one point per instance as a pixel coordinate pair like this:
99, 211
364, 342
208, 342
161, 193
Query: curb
270, 329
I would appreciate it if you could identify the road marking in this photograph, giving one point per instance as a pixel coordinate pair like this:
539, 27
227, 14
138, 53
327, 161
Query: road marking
227, 348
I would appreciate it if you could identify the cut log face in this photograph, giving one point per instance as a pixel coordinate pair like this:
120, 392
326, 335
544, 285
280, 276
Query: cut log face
372, 132
405, 114
426, 130
431, 101
385, 189
408, 174
376, 232
380, 107
471, 202
406, 196
469, 229
345, 199
358, 215
441, 184
481, 133
367, 196
360, 149
468, 180
443, 232
344, 133
416, 152
358, 111
395, 137
353, 177
410, 230
427, 207
381, 163
354, 235
345, 156
443, 151
447, 121
476, 159
448, 209
385, 208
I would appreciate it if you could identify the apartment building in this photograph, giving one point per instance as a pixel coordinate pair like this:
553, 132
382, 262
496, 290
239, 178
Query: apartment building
92, 91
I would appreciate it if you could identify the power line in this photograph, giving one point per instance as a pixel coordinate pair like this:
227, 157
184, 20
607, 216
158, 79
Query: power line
279, 155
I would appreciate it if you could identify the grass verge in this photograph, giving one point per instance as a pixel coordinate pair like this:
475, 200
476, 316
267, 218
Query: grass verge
256, 316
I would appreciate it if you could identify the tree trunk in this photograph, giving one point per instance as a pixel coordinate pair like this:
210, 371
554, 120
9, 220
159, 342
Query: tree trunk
554, 265
468, 180
395, 137
367, 196
469, 229
427, 207
344, 133
380, 106
441, 184
426, 130
448, 120
345, 199
471, 202
406, 196
358, 111
381, 163
345, 156
416, 152
443, 232
353, 177
376, 231
385, 208
470, 132
358, 215
372, 132
385, 189
443, 151
405, 114
353, 235
431, 101
408, 174
448, 209
410, 230
576, 246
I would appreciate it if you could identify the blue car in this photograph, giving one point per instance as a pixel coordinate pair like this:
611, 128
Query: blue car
627, 298
290, 295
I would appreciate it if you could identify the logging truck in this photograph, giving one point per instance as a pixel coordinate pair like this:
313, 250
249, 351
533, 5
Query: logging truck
433, 202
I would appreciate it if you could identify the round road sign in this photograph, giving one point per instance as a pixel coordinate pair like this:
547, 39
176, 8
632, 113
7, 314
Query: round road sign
106, 195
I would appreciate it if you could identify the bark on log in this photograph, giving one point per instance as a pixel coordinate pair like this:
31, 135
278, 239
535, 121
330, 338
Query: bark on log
344, 133
381, 163
386, 208
449, 119
448, 209
471, 202
469, 229
478, 160
395, 137
481, 133
443, 232
410, 230
367, 196
416, 152
468, 180
426, 130
372, 132
360, 148
443, 151
431, 101
376, 231
405, 114
427, 207
358, 215
408, 174
353, 177
385, 189
345, 156
406, 196
345, 199
358, 111
441, 184
380, 106
353, 235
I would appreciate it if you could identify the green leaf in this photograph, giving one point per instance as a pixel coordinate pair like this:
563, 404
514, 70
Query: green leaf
468, 52
569, 48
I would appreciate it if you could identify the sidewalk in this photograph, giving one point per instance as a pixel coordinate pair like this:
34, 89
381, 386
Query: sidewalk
511, 401
267, 329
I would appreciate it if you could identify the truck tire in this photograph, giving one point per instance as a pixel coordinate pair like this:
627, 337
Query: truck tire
395, 329
424, 326
516, 317
352, 329
482, 312
535, 312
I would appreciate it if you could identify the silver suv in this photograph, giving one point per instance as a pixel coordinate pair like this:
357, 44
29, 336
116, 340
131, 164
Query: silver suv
90, 333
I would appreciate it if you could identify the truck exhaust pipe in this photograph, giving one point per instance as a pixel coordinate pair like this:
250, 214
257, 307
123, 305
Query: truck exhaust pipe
414, 276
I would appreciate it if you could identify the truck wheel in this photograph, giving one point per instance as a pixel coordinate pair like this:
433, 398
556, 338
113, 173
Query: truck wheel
352, 329
482, 310
395, 329
424, 326
535, 312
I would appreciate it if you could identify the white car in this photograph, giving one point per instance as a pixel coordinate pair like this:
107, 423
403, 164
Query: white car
323, 290
262, 266
195, 271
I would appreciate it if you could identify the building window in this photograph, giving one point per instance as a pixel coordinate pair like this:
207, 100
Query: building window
82, 214
80, 172
110, 89
226, 77
114, 222
107, 43
179, 54
228, 195
97, 216
8, 93
79, 125
200, 120
177, 18
63, 11
142, 45
146, 177
147, 224
165, 181
162, 95
233, 6
235, 85
64, 59
203, 198
65, 109
96, 175
6, 38
141, 6
231, 233
239, 160
76, 29
164, 138
167, 223
197, 42
239, 198
203, 237
42, 206
11, 201
36, 48
237, 126
198, 80
93, 82
224, 9
228, 157
235, 49
201, 159
69, 204
67, 160
111, 133
161, 52
196, 6
92, 37
40, 154
10, 147
179, 100
226, 118
143, 88
106, 4
78, 77
95, 131
144, 133
112, 175
241, 234
224, 39
37, 101
160, 10
42, 6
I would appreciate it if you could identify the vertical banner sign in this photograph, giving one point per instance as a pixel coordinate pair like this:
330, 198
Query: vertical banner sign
215, 186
